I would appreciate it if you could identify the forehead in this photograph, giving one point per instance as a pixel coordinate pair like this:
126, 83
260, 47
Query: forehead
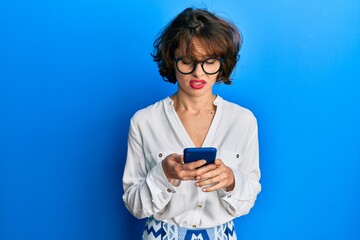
195, 49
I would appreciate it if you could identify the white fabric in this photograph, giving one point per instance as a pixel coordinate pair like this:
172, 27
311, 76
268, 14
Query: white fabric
155, 132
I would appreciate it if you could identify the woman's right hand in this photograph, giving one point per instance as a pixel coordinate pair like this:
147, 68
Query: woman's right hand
174, 168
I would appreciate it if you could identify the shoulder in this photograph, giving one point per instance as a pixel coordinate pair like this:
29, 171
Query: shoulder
236, 110
152, 111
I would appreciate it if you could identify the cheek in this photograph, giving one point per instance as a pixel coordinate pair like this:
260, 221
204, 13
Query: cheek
214, 78
180, 77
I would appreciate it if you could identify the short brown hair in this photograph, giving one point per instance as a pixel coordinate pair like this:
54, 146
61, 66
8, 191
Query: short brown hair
221, 38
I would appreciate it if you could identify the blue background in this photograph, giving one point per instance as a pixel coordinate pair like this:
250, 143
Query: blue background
72, 73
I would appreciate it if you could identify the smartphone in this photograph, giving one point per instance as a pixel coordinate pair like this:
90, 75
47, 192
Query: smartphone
194, 154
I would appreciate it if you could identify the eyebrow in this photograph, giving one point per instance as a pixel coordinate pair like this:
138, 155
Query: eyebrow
203, 58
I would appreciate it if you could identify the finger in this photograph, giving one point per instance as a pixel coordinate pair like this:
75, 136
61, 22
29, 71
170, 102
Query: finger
186, 171
194, 165
198, 171
211, 181
188, 178
214, 187
190, 171
218, 162
189, 174
173, 158
212, 171
178, 158
205, 169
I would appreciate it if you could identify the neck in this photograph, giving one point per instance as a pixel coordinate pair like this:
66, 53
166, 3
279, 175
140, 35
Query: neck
193, 104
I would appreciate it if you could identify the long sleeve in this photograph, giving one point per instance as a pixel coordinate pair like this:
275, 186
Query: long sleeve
155, 132
242, 198
146, 191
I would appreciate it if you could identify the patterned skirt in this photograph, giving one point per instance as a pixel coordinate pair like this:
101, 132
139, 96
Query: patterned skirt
158, 230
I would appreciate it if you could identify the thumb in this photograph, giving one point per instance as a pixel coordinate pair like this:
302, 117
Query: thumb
175, 157
180, 159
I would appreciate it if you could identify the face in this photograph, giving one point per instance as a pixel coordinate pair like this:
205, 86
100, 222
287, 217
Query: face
198, 83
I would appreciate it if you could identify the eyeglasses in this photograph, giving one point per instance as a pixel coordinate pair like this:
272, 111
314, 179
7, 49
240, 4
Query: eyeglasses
209, 66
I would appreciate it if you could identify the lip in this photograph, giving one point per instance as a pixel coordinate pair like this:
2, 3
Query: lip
197, 84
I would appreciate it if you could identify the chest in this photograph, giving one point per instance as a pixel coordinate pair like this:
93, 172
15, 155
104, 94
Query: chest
197, 125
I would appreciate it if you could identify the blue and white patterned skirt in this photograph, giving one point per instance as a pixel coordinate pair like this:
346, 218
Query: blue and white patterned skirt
158, 230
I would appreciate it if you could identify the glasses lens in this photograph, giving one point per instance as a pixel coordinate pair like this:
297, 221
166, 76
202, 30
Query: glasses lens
211, 66
185, 66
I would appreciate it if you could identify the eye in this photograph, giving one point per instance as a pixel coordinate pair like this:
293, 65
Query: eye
210, 61
186, 61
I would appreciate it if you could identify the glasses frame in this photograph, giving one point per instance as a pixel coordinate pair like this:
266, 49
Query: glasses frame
202, 65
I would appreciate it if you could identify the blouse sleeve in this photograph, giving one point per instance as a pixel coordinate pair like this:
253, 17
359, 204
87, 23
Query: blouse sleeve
247, 186
145, 192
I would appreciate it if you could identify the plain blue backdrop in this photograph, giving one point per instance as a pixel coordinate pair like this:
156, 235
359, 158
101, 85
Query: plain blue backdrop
72, 73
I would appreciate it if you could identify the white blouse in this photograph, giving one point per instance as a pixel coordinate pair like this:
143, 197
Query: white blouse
155, 132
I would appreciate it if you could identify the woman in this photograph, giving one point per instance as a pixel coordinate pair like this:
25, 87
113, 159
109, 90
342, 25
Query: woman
183, 201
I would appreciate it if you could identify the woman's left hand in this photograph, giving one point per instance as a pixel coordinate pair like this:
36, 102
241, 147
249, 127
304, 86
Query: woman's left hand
221, 177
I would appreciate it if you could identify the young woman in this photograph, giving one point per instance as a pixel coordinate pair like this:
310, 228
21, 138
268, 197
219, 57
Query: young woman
192, 200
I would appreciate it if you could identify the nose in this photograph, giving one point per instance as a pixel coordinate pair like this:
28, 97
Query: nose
198, 71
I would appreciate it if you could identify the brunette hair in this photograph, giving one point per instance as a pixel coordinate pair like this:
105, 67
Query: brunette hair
220, 37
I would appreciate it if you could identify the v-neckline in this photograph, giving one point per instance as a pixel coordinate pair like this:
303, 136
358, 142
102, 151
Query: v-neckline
183, 134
